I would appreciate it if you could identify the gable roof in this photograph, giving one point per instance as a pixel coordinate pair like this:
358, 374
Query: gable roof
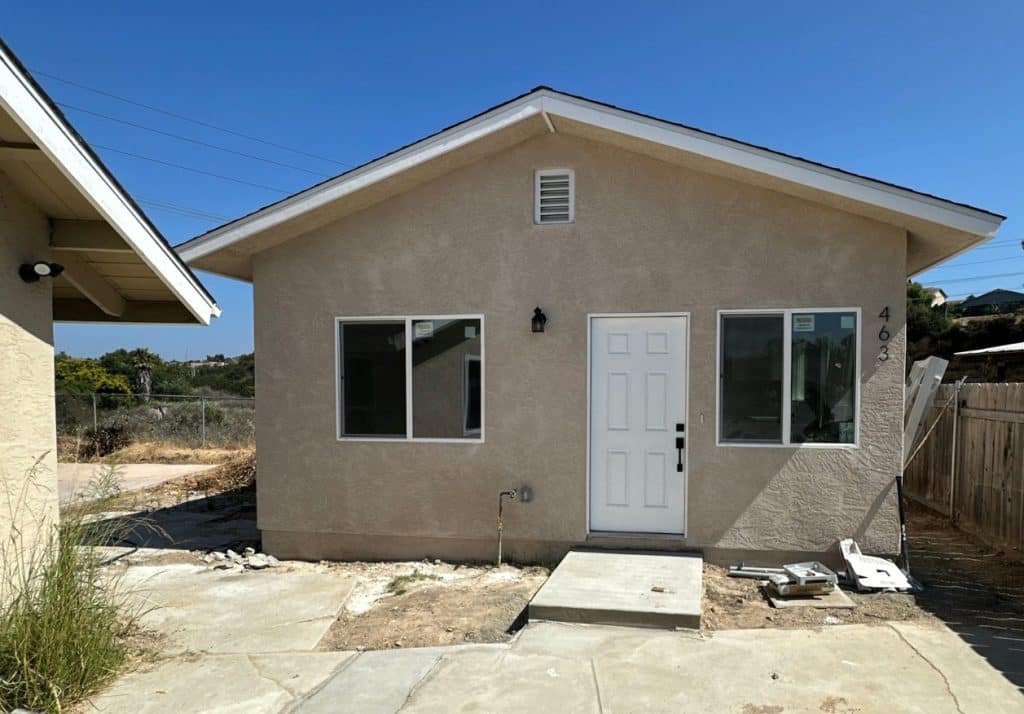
993, 297
96, 223
942, 228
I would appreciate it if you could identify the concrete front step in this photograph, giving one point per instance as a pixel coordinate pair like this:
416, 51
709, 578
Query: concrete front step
639, 589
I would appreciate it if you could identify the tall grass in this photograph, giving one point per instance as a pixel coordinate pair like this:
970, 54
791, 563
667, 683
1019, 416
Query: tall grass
62, 621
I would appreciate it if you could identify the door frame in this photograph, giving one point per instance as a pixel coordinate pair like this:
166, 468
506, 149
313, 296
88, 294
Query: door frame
591, 316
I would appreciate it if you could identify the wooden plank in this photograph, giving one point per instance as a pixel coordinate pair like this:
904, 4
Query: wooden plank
992, 415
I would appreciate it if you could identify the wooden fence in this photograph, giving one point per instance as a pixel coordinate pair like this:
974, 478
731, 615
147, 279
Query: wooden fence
971, 468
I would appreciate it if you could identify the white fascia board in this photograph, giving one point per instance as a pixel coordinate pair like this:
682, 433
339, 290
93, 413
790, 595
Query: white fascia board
764, 161
36, 118
548, 102
348, 183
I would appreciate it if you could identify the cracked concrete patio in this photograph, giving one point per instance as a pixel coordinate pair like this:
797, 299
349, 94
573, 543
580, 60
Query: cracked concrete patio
242, 642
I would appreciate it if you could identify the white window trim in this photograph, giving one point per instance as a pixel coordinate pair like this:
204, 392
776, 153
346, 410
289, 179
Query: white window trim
787, 369
408, 320
536, 195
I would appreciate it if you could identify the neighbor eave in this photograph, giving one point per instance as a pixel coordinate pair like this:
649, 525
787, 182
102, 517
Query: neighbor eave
96, 225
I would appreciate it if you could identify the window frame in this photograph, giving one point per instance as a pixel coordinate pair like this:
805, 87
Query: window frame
540, 173
407, 320
787, 377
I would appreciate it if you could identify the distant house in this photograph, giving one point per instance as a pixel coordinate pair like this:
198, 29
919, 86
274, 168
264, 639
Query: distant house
939, 296
992, 303
1002, 363
721, 367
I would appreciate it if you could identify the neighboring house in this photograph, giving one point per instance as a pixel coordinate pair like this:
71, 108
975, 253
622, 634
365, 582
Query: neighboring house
74, 247
939, 296
992, 303
721, 368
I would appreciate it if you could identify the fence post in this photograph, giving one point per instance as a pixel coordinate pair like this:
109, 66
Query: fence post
204, 422
95, 423
956, 437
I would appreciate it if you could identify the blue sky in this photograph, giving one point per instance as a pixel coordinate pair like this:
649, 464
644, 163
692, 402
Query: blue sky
929, 95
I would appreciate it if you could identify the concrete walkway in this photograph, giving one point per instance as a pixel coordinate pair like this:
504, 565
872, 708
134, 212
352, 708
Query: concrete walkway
72, 478
587, 668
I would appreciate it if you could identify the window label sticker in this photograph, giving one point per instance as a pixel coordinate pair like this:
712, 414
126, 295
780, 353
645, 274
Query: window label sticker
423, 329
847, 322
470, 332
803, 323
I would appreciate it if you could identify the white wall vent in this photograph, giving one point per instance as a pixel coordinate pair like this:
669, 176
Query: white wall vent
554, 196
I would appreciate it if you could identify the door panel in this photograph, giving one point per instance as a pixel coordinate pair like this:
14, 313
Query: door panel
638, 397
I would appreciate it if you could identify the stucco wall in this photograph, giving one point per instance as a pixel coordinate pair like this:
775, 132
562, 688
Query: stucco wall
27, 424
648, 237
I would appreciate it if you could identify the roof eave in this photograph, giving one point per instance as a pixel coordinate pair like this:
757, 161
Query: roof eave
40, 119
545, 101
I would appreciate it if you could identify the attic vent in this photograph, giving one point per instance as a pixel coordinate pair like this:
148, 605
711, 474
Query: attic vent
554, 196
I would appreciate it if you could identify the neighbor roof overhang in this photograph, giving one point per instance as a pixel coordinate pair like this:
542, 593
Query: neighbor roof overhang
937, 228
117, 265
1011, 348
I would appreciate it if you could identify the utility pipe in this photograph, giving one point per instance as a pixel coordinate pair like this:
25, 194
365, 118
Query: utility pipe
512, 495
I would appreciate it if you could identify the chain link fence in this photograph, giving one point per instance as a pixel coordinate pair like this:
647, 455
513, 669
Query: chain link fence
168, 418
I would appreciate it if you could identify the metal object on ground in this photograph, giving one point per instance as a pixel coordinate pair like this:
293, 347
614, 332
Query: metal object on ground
868, 572
807, 578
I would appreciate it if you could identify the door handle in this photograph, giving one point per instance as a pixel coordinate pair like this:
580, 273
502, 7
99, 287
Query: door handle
680, 445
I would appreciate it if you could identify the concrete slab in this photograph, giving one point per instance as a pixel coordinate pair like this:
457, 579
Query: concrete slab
623, 588
222, 683
566, 668
72, 478
204, 610
380, 682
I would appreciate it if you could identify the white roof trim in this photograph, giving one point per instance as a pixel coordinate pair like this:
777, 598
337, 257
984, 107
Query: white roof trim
1000, 349
546, 101
36, 117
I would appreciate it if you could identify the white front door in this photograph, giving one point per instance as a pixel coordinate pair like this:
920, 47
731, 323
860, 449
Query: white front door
637, 414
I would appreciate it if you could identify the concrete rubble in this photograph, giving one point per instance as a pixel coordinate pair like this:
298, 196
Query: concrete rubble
248, 560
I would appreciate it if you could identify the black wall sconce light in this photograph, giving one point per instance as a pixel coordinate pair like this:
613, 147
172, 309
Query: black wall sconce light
538, 321
31, 272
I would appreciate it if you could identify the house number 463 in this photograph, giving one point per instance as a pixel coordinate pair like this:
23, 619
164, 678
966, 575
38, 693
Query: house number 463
883, 335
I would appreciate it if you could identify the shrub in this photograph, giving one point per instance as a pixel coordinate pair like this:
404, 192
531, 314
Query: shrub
105, 440
62, 623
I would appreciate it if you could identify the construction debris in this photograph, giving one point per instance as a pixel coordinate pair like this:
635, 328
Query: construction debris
868, 572
796, 579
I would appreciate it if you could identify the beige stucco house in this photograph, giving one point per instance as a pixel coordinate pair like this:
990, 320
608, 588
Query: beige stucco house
721, 367
74, 247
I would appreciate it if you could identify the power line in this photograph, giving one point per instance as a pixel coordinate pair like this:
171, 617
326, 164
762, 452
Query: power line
199, 122
997, 244
193, 170
982, 262
980, 277
197, 142
182, 210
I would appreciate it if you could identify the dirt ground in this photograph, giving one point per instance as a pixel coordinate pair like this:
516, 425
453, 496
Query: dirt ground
431, 603
966, 583
232, 476
155, 452
739, 603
